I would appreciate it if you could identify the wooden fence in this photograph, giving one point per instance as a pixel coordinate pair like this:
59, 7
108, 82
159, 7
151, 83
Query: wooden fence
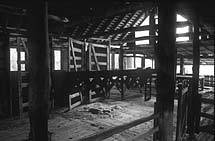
117, 129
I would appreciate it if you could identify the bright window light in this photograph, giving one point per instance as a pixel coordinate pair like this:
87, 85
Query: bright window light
206, 70
188, 69
156, 19
145, 22
178, 69
22, 56
138, 62
142, 33
185, 38
57, 60
130, 63
142, 42
181, 30
180, 18
13, 59
114, 46
116, 61
148, 63
22, 67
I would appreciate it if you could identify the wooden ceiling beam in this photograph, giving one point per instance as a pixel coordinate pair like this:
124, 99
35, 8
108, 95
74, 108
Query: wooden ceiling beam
131, 29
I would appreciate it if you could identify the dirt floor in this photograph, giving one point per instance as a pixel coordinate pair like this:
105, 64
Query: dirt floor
88, 119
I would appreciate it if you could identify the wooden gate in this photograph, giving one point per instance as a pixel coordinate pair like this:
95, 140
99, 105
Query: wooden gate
182, 109
20, 43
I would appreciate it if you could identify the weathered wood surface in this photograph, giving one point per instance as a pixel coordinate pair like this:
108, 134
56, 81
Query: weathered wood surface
39, 70
76, 123
193, 111
165, 53
79, 123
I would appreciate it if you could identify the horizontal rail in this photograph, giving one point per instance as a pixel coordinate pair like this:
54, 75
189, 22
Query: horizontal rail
208, 101
206, 115
105, 73
143, 136
114, 130
100, 63
99, 45
207, 128
77, 50
185, 90
77, 41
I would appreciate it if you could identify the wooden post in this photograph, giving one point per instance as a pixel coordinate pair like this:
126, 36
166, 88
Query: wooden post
69, 55
73, 55
121, 68
166, 63
90, 57
113, 61
152, 63
108, 55
39, 69
152, 31
18, 39
181, 65
95, 58
51, 52
143, 63
195, 80
5, 95
83, 56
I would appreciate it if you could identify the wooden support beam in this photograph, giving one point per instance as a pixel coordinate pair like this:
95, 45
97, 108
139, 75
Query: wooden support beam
133, 40
152, 31
113, 61
115, 130
18, 40
181, 65
84, 56
69, 54
133, 29
121, 68
108, 55
95, 58
39, 69
143, 62
195, 81
5, 95
166, 63
73, 54
89, 57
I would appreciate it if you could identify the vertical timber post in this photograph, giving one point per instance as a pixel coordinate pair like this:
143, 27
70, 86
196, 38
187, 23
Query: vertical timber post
195, 80
83, 56
5, 94
113, 61
134, 60
143, 63
108, 54
121, 69
181, 65
152, 32
166, 60
51, 52
39, 69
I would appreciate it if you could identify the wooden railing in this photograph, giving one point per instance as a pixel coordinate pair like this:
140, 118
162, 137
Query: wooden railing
115, 130
98, 82
182, 110
203, 113
209, 80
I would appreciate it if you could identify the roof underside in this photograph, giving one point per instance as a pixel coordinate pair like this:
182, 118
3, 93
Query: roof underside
116, 21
